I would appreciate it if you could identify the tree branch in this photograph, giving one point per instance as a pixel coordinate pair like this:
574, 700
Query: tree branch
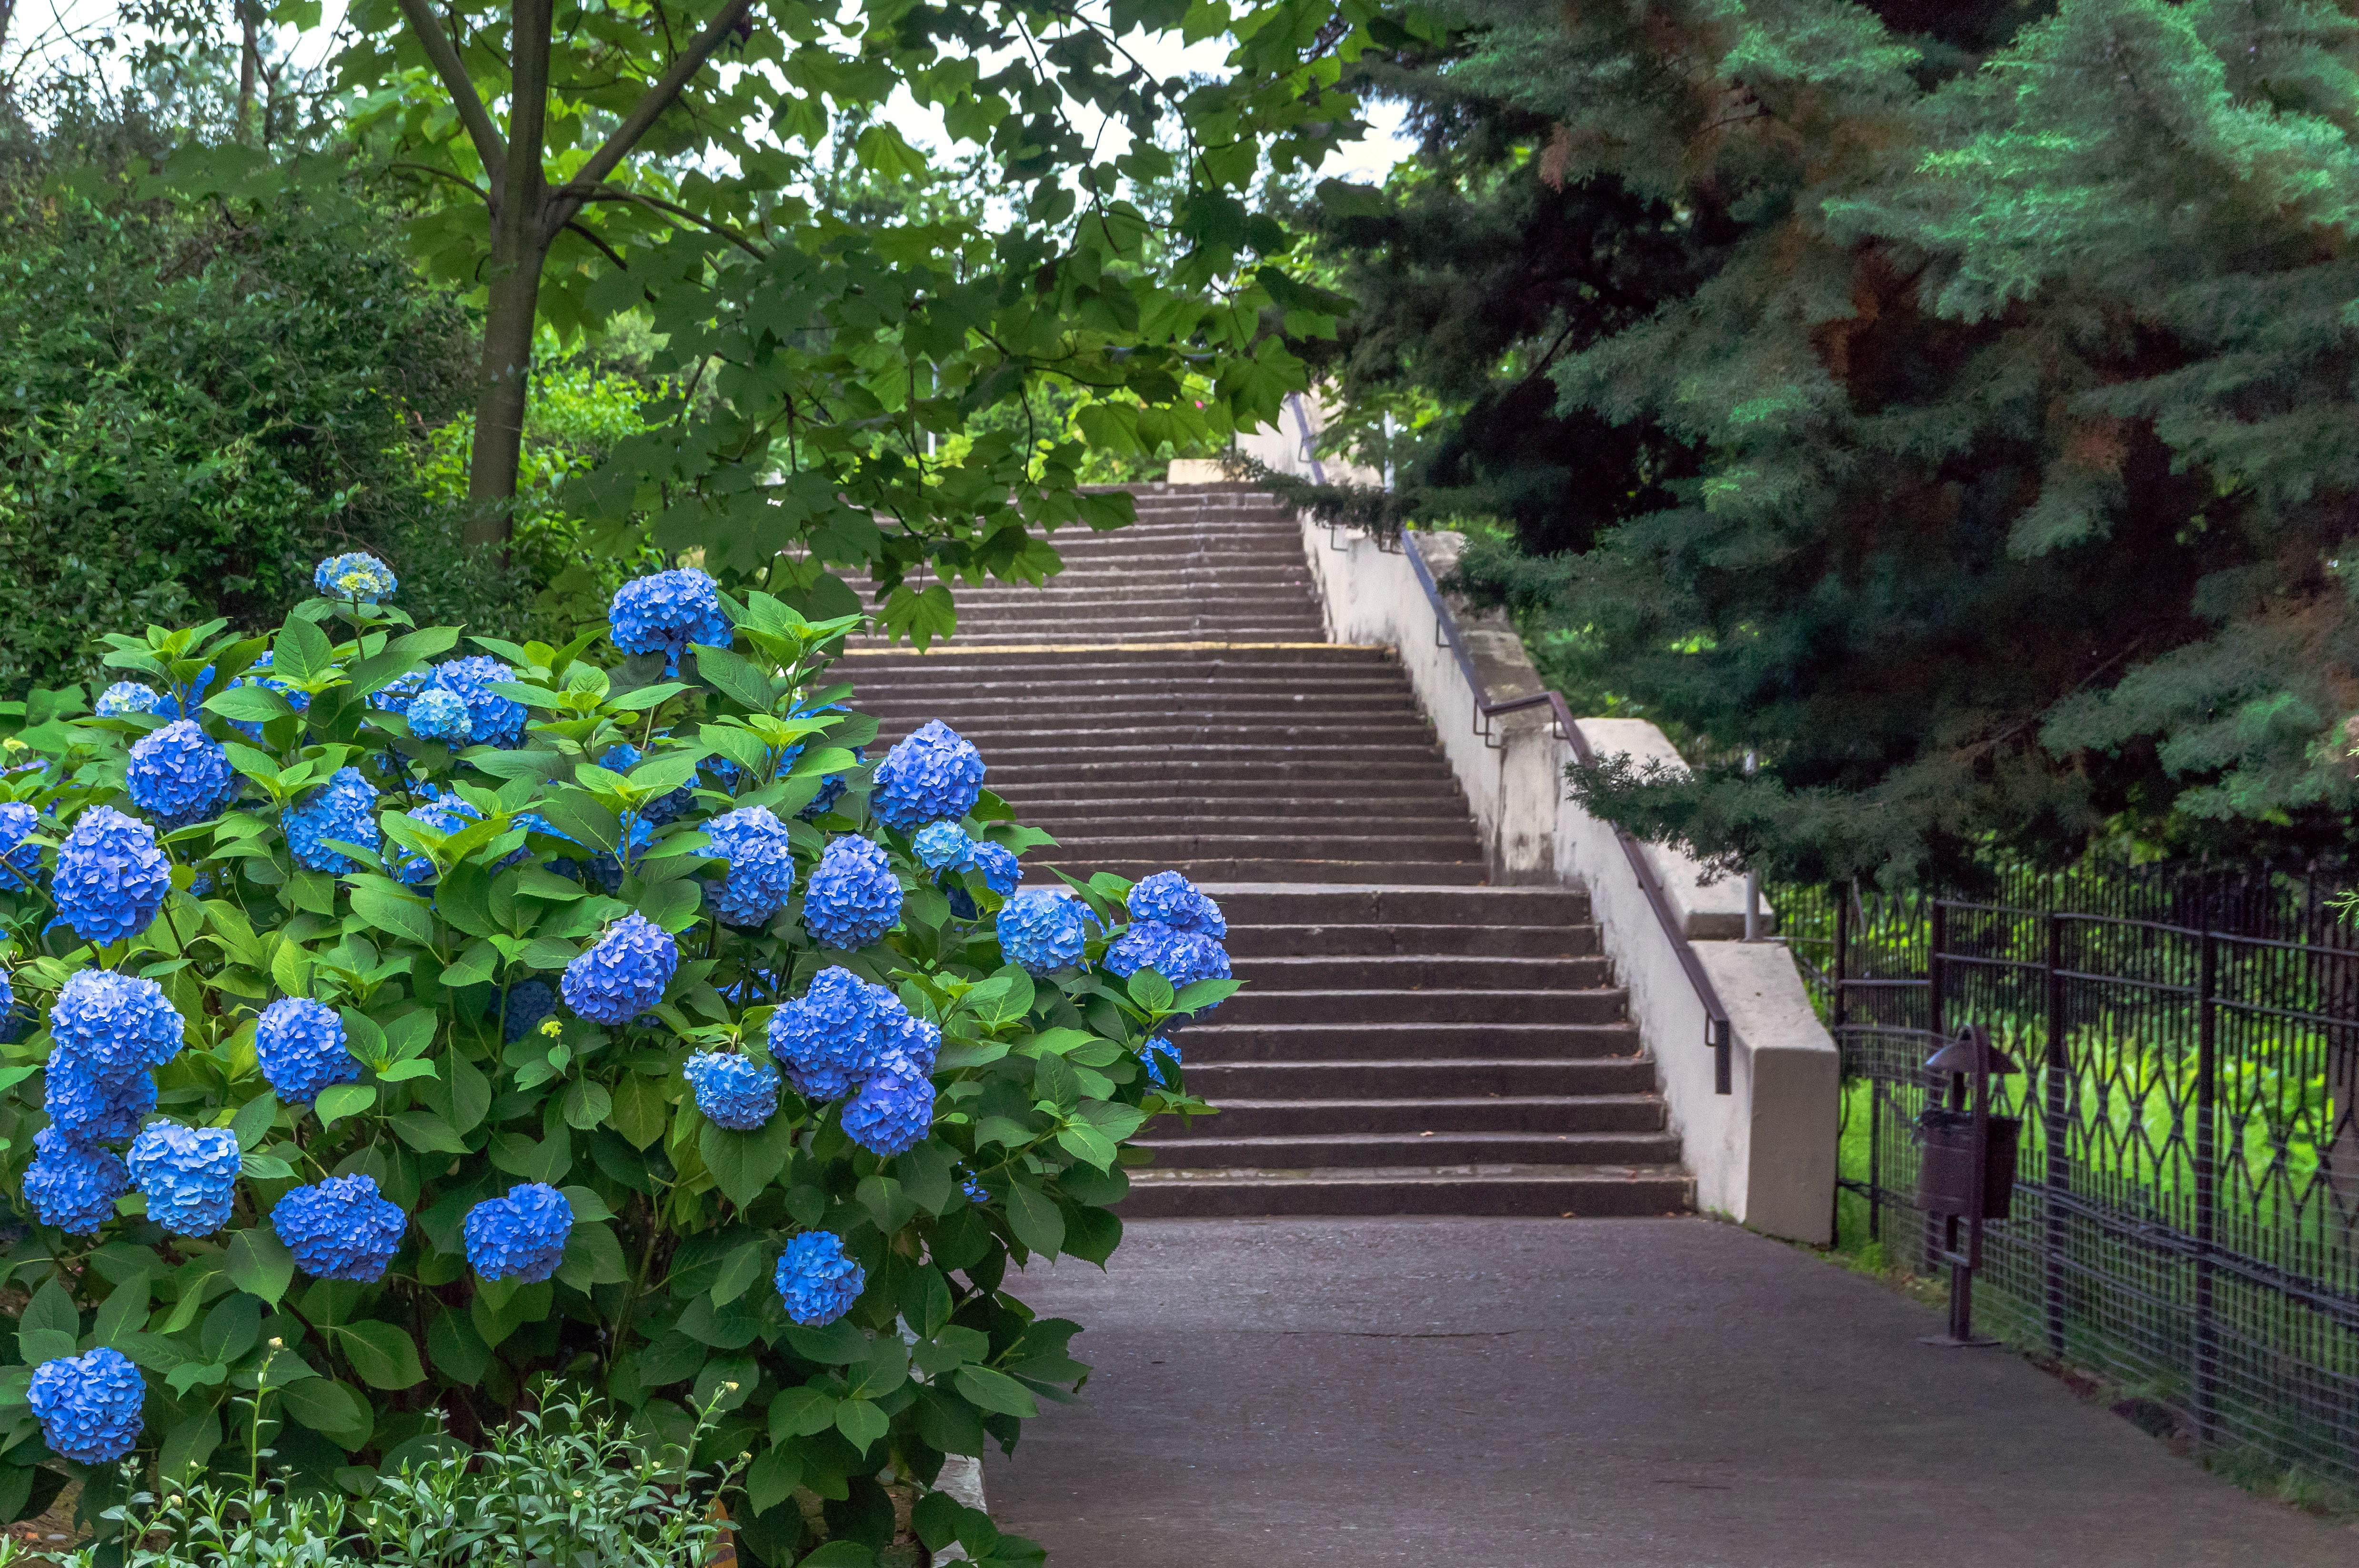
444, 54
591, 236
651, 104
576, 194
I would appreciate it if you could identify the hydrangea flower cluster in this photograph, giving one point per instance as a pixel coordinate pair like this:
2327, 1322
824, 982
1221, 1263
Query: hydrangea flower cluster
520, 1237
89, 1405
1162, 1058
854, 898
180, 773
94, 1106
847, 1039
1042, 930
118, 1024
664, 613
357, 575
732, 1091
111, 878
189, 1174
72, 1185
492, 720
184, 698
817, 1279
895, 1108
301, 1046
624, 973
1183, 957
761, 865
398, 695
941, 845
934, 773
344, 809
528, 1002
440, 714
20, 858
125, 698
341, 1228
1172, 899
998, 863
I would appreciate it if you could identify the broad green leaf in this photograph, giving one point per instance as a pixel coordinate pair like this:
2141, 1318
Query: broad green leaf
123, 1312
861, 1423
459, 1352
427, 1132
403, 917
592, 1257
742, 1164
50, 1327
996, 1391
838, 1554
586, 1105
338, 1101
259, 1263
253, 1120
334, 1409
739, 1271
1150, 991
772, 1477
1035, 1220
189, 1444
800, 1413
382, 1354
638, 1111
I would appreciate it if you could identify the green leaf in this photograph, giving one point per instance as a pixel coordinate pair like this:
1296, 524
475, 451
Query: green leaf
427, 1132
861, 1423
334, 1409
771, 1480
592, 1257
672, 905
404, 917
1149, 989
924, 1172
265, 1167
380, 1353
734, 678
1035, 1220
471, 1094
123, 1312
301, 652
459, 1352
340, 1100
190, 1444
253, 1120
50, 1327
838, 1554
639, 1111
739, 1270
259, 1263
800, 1413
586, 1104
996, 1391
248, 704
742, 1164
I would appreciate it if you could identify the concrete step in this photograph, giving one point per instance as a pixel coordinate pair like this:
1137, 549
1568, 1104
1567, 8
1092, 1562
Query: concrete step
1231, 1083
1449, 873
1249, 904
1314, 734
1332, 1149
1256, 942
1114, 795
1425, 971
1260, 818
1436, 1117
1224, 1038
1374, 847
1252, 1005
1587, 1191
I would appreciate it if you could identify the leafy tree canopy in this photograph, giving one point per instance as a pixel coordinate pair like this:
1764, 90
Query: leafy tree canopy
1967, 428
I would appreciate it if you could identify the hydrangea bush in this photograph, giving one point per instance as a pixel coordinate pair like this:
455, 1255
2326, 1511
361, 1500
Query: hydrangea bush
438, 1025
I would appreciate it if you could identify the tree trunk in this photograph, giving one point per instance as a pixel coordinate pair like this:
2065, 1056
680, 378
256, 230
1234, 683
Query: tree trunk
249, 64
519, 247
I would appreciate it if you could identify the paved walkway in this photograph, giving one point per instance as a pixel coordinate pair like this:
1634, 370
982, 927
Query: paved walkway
1619, 1394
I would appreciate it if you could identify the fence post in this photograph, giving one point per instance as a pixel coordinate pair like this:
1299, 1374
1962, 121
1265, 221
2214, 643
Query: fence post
2056, 1133
2207, 1188
1938, 942
1841, 1015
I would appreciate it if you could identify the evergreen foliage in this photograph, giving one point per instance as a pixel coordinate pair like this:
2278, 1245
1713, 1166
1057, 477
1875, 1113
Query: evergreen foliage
2018, 369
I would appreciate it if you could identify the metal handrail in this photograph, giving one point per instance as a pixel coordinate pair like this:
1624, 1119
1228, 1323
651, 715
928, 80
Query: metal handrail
1717, 1030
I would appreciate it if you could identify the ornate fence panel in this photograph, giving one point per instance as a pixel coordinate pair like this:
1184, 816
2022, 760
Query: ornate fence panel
2187, 1214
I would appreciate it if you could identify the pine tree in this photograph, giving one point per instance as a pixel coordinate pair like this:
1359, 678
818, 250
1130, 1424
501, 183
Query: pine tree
2019, 378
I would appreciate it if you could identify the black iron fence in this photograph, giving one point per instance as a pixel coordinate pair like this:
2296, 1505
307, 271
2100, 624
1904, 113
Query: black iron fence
2187, 1218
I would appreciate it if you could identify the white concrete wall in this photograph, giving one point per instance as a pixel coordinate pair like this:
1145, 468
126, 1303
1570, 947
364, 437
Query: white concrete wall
1765, 1155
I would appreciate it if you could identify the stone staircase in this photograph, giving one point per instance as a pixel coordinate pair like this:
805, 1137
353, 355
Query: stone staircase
1412, 1041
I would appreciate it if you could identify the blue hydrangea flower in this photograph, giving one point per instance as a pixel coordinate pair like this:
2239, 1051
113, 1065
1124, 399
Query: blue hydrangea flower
440, 715
111, 878
301, 701
117, 1024
520, 1237
530, 1001
180, 773
1042, 930
997, 864
663, 612
974, 1189
341, 1228
621, 757
1172, 899
125, 698
854, 898
20, 858
445, 813
92, 1104
934, 773
828, 1038
492, 720
941, 844
817, 1279
354, 575
625, 974
903, 1034
72, 1185
1161, 1055
830, 790
345, 808
89, 1405
189, 1174
1182, 957
761, 865
732, 1091
894, 1110
301, 1044
398, 694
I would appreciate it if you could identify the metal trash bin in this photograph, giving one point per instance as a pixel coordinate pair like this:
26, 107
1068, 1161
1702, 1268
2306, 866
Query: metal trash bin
1945, 1167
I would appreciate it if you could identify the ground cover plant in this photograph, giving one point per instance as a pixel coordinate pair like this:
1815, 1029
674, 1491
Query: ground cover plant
400, 1027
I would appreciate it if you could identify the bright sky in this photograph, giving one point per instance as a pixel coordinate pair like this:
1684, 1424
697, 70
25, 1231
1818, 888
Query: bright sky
46, 31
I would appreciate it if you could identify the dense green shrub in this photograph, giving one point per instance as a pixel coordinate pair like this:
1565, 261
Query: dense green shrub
356, 930
196, 403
